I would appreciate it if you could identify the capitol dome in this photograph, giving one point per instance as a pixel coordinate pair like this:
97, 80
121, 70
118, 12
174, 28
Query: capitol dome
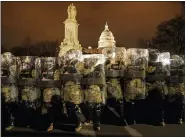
106, 39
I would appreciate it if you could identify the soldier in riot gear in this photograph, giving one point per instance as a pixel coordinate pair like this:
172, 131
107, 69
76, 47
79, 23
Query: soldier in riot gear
176, 90
50, 86
29, 92
9, 89
156, 86
114, 70
134, 85
73, 96
72, 92
94, 85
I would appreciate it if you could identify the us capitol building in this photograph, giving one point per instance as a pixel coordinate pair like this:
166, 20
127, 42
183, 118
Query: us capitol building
71, 36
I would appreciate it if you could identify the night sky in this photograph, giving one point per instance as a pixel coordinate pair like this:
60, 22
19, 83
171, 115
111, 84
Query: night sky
42, 21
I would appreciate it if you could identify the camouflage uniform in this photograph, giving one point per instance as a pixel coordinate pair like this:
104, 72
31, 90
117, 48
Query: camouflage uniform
29, 93
134, 85
72, 92
94, 87
176, 90
9, 89
50, 86
156, 87
114, 70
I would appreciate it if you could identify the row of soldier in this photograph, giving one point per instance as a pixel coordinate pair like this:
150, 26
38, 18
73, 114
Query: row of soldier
96, 80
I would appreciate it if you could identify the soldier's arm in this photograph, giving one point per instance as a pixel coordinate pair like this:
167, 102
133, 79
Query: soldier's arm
104, 94
17, 95
62, 93
38, 100
82, 95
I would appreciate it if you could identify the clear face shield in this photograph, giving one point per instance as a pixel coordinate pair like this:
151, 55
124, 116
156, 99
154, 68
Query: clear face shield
49, 63
48, 67
92, 61
164, 59
70, 60
137, 57
176, 61
8, 65
115, 56
28, 66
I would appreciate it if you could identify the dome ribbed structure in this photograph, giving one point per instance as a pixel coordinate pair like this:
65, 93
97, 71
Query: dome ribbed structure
106, 39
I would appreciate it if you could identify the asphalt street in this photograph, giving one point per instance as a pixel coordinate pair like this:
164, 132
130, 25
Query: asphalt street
138, 130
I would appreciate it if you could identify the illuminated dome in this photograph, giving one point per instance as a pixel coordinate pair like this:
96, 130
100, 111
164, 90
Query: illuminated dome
106, 39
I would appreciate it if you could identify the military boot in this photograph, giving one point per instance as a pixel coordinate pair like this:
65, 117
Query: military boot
78, 115
78, 127
97, 117
10, 124
180, 120
162, 123
89, 115
50, 128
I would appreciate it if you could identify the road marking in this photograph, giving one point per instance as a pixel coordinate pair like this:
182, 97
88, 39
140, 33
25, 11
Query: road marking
88, 132
133, 132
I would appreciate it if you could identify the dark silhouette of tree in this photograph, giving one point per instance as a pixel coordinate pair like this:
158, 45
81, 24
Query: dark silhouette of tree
47, 48
41, 49
170, 35
141, 43
3, 49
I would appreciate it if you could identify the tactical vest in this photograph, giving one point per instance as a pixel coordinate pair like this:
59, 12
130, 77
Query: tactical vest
114, 89
176, 81
156, 78
72, 91
95, 83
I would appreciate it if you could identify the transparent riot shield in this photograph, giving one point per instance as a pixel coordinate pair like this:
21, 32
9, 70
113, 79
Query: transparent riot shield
164, 58
115, 61
71, 67
94, 86
176, 89
9, 77
137, 62
29, 72
49, 69
115, 66
157, 73
8, 65
94, 74
50, 78
9, 89
28, 67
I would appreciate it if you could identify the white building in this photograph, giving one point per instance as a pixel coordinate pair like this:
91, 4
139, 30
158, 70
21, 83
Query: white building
106, 39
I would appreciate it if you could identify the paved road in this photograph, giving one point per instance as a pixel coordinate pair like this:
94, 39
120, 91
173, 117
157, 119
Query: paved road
138, 130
